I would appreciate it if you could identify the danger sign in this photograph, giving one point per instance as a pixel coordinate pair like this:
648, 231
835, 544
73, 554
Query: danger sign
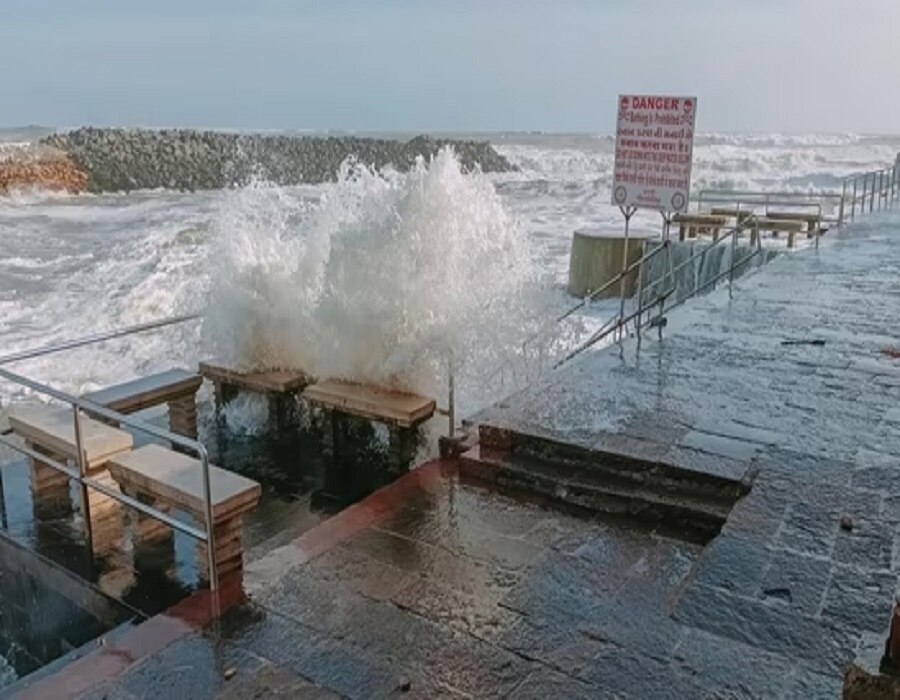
654, 148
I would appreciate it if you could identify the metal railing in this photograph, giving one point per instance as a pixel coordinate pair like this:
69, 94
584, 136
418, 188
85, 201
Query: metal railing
871, 191
876, 189
80, 474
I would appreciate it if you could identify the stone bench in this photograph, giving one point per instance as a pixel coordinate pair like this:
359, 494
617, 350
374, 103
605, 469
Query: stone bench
743, 214
812, 220
51, 431
765, 223
689, 225
402, 412
279, 386
169, 480
175, 387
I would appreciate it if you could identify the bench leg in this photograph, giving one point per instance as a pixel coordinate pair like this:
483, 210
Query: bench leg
223, 393
105, 514
229, 549
49, 487
681, 232
183, 416
401, 449
281, 411
754, 235
146, 529
790, 239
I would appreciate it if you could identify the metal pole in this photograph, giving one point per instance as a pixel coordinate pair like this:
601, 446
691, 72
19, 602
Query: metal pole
627, 213
840, 211
82, 472
451, 399
872, 196
666, 270
210, 522
853, 201
734, 235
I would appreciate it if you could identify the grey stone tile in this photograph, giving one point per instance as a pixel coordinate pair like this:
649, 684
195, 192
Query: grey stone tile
544, 683
796, 581
809, 529
733, 563
823, 645
711, 443
869, 545
860, 599
738, 668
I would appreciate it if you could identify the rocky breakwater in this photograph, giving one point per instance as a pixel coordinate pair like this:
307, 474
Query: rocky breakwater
30, 167
128, 159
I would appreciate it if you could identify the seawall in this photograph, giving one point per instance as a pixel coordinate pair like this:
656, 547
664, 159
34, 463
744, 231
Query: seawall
117, 160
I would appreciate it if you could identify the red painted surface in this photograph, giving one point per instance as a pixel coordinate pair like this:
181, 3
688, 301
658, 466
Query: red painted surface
430, 477
198, 610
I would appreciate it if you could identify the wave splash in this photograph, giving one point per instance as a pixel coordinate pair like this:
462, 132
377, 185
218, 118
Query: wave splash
380, 279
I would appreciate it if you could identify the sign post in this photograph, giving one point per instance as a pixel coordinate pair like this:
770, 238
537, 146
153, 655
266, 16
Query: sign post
654, 153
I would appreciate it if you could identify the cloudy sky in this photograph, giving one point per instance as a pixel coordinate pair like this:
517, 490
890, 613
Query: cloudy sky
762, 65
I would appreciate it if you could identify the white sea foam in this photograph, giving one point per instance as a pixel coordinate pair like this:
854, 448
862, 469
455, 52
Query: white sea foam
382, 279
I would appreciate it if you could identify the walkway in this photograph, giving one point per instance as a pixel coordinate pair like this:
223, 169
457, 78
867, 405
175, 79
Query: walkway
437, 586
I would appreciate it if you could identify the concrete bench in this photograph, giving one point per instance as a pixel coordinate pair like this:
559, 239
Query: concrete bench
51, 431
742, 214
691, 224
402, 412
279, 386
812, 220
764, 223
170, 480
175, 387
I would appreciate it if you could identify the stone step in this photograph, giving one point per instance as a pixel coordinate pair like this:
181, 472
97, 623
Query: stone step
573, 461
700, 516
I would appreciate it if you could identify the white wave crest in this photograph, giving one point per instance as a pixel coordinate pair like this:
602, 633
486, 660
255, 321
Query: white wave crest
379, 280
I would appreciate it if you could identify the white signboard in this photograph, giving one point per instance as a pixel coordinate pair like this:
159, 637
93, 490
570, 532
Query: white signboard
654, 146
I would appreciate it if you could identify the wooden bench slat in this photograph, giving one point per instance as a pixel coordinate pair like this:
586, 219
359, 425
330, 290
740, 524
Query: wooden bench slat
54, 429
372, 402
277, 381
145, 392
177, 479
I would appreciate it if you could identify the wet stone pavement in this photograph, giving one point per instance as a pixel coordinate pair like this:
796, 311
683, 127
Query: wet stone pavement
440, 586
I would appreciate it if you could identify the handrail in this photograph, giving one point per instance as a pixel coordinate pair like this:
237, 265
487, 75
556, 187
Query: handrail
78, 405
96, 338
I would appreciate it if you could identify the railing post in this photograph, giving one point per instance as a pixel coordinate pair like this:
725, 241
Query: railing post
82, 471
840, 211
451, 399
210, 522
872, 196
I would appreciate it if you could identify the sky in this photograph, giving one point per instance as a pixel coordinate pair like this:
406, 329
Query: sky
457, 65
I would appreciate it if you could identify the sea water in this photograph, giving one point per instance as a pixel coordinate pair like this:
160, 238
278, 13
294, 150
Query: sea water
381, 276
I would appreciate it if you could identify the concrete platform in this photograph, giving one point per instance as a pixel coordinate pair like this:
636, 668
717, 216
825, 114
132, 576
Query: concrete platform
441, 586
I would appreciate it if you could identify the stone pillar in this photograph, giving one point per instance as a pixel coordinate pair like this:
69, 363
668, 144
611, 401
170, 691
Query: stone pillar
50, 493
596, 258
223, 393
145, 529
105, 514
183, 416
401, 448
229, 550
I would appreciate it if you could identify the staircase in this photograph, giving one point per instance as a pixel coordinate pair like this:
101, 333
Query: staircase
688, 504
